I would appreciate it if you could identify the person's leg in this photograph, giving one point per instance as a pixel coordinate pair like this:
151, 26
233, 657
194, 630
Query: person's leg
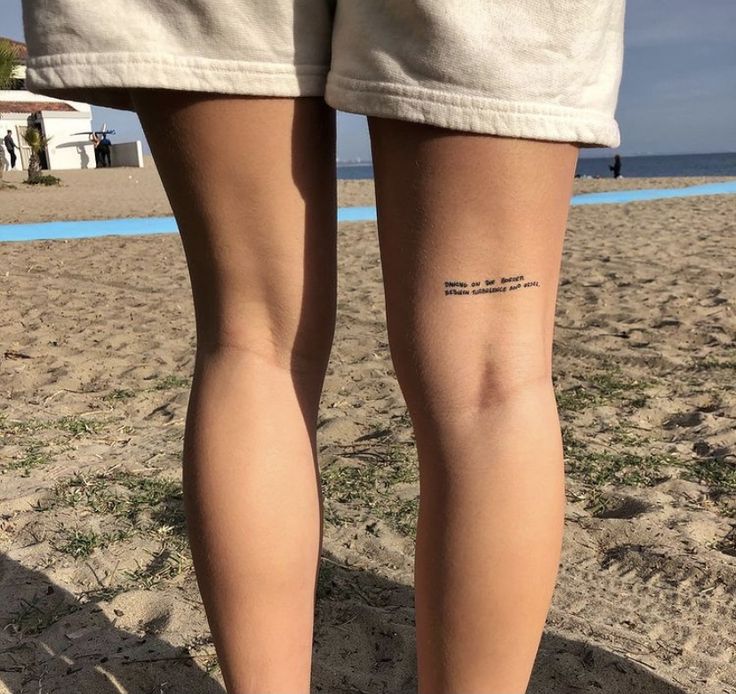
475, 370
258, 225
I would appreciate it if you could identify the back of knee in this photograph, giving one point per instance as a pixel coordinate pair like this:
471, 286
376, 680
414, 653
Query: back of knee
440, 382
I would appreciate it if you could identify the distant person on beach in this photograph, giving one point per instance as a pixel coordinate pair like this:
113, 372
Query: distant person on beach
105, 145
95, 139
11, 147
474, 157
616, 168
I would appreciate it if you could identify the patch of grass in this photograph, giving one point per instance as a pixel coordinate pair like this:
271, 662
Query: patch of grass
77, 426
361, 482
134, 506
148, 503
576, 399
599, 468
623, 436
402, 515
710, 363
81, 543
119, 394
211, 664
34, 616
17, 426
167, 563
34, 457
727, 545
609, 385
369, 482
43, 180
73, 424
169, 382
717, 472
327, 572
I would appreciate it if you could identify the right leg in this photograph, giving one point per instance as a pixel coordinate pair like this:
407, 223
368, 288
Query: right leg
475, 371
258, 223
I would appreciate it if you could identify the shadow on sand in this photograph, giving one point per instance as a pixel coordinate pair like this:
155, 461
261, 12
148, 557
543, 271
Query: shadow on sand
363, 643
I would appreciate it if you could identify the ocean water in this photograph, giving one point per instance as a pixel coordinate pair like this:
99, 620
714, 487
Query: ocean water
723, 164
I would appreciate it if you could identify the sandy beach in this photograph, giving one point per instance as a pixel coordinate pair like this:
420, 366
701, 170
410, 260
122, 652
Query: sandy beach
98, 593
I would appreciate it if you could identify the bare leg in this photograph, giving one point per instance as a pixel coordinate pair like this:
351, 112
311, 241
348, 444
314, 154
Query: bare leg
476, 374
251, 182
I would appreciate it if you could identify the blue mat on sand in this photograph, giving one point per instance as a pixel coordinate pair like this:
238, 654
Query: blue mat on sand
164, 225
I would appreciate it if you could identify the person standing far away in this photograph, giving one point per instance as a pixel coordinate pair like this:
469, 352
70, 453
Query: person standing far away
95, 139
11, 147
616, 168
105, 145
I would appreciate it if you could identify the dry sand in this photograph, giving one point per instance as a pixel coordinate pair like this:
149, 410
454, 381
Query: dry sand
133, 192
98, 593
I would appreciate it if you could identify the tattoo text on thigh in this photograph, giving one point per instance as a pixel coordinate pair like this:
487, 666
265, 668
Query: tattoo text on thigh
500, 285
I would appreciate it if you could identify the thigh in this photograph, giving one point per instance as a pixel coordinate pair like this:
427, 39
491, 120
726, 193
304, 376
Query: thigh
471, 230
251, 181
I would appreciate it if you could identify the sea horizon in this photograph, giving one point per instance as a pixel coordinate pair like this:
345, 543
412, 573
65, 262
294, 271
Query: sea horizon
633, 166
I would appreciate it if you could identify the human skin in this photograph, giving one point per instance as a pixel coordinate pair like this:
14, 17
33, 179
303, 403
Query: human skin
251, 182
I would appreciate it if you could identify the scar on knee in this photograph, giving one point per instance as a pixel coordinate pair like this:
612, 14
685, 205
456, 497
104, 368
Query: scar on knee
496, 285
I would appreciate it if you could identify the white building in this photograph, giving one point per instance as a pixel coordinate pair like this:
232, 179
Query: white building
57, 119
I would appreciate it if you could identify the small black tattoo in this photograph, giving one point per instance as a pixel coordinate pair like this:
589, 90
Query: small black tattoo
502, 285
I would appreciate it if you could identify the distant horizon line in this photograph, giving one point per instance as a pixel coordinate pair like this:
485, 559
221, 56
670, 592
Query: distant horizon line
369, 162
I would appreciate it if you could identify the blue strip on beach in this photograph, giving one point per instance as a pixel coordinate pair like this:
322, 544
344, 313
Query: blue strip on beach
163, 225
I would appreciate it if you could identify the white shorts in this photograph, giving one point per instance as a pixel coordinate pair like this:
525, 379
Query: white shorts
539, 69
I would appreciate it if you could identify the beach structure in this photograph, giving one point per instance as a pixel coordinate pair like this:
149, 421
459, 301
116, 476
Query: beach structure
56, 119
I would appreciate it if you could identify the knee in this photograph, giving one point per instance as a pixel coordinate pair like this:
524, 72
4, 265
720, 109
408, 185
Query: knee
439, 382
299, 346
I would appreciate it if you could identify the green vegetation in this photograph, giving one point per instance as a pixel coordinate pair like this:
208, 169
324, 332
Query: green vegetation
44, 180
718, 472
368, 482
169, 382
609, 386
148, 503
599, 468
35, 616
78, 425
119, 394
34, 457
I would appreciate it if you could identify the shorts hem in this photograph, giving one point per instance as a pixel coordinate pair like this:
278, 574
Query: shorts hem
103, 79
472, 112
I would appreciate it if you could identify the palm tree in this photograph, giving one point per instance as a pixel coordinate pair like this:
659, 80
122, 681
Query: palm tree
8, 64
36, 141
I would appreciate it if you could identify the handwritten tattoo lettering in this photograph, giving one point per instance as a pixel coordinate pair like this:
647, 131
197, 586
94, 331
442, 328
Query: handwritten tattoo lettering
502, 285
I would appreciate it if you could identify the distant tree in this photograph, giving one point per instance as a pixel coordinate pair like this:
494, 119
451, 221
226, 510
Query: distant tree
36, 141
8, 64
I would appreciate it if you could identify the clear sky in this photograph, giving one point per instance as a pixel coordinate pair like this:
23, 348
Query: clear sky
678, 92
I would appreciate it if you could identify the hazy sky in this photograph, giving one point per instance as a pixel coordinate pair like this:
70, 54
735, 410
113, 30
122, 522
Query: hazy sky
678, 92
